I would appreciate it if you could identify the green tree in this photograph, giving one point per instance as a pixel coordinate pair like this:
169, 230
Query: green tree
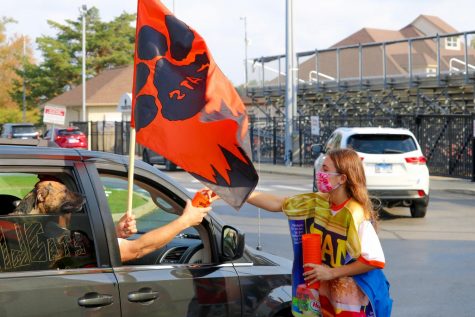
108, 44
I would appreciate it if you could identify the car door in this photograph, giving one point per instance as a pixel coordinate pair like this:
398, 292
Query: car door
184, 278
46, 268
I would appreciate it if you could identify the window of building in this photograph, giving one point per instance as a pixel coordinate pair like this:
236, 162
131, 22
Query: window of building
452, 43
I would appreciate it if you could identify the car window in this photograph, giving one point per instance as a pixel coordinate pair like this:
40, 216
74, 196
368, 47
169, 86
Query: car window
152, 209
382, 143
46, 241
333, 142
23, 129
68, 132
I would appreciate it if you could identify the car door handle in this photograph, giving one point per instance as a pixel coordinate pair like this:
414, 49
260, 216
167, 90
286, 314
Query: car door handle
145, 294
93, 299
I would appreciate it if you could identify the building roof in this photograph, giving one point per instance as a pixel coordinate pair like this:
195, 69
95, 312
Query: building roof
103, 90
423, 25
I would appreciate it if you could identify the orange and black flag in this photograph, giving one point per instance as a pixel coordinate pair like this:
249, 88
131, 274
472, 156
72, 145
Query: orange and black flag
185, 109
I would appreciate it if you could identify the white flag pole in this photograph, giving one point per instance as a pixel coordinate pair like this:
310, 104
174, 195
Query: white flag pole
131, 171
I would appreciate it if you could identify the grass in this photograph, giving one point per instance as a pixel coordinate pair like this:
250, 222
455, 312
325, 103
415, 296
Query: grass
118, 200
17, 185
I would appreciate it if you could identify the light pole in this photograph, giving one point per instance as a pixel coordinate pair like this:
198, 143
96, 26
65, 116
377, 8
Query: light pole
246, 43
289, 82
24, 80
84, 12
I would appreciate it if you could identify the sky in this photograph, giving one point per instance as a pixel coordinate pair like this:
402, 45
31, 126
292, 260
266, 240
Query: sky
317, 24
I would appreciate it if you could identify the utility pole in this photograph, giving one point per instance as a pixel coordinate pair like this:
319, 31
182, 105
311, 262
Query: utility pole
24, 80
84, 12
246, 43
289, 82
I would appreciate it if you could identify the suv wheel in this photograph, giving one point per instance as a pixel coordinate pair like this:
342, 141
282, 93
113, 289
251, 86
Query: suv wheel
418, 209
146, 157
169, 166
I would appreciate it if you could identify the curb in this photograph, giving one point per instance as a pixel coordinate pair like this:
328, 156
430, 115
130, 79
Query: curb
308, 172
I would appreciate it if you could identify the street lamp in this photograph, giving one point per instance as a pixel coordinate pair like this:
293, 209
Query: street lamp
246, 43
83, 11
24, 80
290, 101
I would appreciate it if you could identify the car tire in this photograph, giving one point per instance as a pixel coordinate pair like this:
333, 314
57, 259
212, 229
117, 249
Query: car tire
418, 209
146, 157
169, 166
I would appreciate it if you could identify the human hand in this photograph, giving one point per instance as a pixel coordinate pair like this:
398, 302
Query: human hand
126, 226
317, 272
194, 215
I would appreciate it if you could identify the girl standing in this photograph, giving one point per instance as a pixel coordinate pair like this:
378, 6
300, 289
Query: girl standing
351, 277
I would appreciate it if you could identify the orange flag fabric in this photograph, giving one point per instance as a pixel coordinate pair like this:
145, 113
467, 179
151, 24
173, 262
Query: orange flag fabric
185, 109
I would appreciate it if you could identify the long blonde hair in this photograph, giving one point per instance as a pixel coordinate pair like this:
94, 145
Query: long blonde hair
348, 162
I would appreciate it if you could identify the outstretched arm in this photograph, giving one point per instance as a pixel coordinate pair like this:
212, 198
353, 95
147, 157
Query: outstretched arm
266, 201
157, 238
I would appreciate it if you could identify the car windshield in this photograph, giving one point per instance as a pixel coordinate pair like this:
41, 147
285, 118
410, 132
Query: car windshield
23, 129
382, 143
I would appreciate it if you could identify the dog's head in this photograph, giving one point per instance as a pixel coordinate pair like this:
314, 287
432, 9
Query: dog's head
50, 196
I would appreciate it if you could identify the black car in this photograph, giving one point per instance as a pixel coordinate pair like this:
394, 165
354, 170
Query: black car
49, 270
150, 157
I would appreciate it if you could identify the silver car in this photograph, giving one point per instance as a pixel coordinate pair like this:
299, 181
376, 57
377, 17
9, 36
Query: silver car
50, 269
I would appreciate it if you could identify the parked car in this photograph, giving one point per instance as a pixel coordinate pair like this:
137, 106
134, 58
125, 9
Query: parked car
70, 137
150, 157
395, 168
81, 274
19, 131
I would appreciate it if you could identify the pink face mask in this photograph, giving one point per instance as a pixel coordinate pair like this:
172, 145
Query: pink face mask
323, 182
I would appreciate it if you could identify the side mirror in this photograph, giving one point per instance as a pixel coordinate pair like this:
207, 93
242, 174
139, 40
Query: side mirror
316, 149
232, 243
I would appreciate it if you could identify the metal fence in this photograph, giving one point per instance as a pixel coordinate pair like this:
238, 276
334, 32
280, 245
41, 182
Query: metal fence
446, 140
382, 64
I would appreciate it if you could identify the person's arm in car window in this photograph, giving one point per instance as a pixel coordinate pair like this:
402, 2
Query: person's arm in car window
156, 238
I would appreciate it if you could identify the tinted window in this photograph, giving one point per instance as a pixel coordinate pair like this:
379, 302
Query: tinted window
68, 132
23, 129
152, 209
41, 241
382, 143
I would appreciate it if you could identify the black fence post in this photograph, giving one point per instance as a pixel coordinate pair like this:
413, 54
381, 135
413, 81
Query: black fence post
473, 147
251, 137
274, 140
473, 159
301, 147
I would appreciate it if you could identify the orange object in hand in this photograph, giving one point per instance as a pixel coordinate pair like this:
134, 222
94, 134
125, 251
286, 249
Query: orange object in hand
202, 198
312, 252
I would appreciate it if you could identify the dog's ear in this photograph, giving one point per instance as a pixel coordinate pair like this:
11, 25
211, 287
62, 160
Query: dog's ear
43, 192
25, 205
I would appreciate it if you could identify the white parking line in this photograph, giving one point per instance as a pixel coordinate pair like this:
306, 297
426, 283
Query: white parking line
300, 188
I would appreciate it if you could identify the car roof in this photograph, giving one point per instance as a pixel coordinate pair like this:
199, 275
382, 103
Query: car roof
374, 130
18, 124
58, 153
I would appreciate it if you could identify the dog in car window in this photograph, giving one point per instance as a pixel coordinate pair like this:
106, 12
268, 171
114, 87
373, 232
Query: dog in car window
49, 196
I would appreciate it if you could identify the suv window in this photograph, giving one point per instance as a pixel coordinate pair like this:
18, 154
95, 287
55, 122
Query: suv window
65, 132
41, 241
333, 142
23, 129
382, 143
152, 209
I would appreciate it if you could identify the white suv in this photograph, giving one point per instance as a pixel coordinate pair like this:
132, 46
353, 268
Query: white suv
396, 171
